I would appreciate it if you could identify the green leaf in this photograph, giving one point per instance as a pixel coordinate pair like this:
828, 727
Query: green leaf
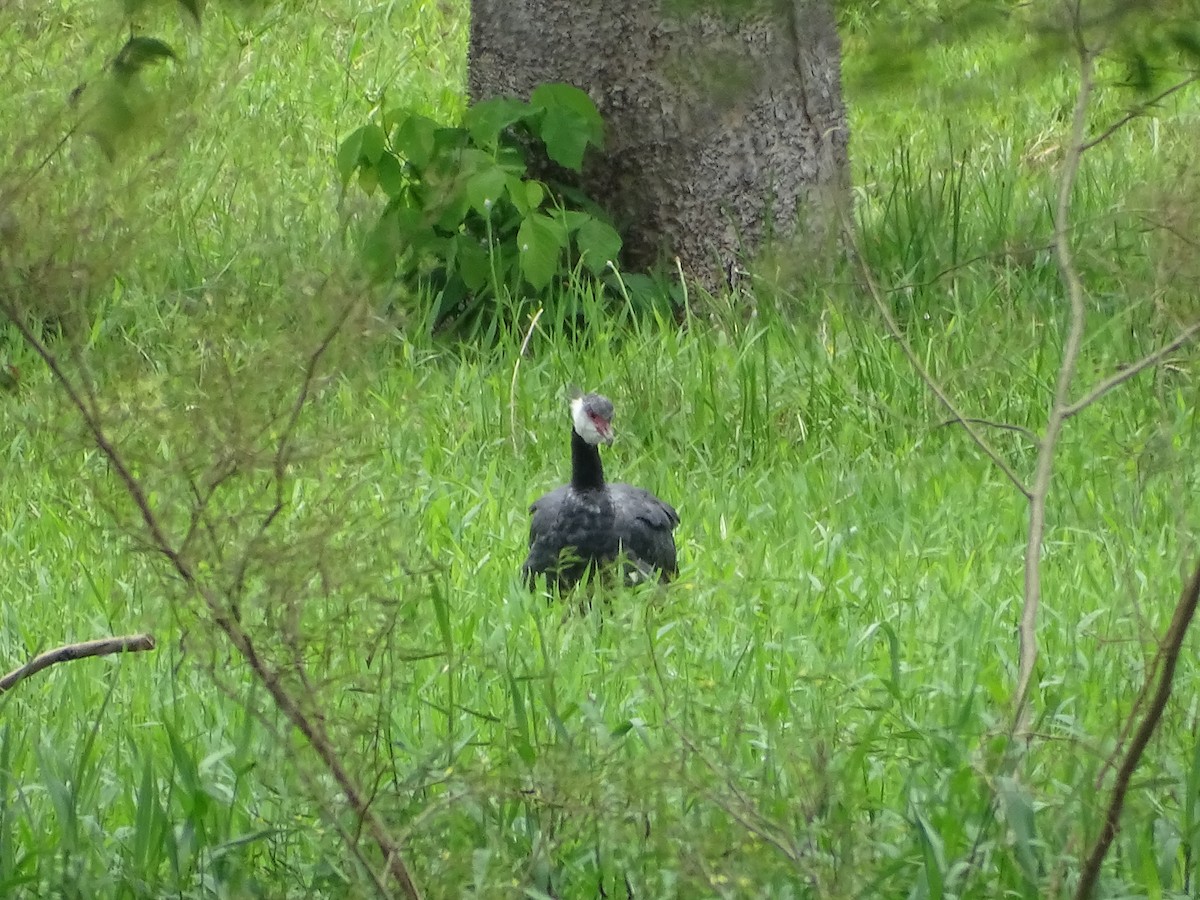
364, 147
535, 193
471, 261
373, 141
441, 611
567, 98
599, 244
572, 219
540, 240
415, 139
526, 196
368, 179
453, 208
1018, 813
391, 175
485, 188
349, 154
569, 123
488, 118
934, 856
140, 52
565, 140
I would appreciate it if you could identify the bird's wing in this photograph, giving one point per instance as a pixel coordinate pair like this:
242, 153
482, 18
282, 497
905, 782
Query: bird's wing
645, 524
544, 548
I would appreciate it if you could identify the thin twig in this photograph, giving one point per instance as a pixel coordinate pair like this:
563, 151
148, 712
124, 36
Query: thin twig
1130, 371
925, 375
1006, 426
133, 643
1134, 113
310, 727
1168, 657
1077, 319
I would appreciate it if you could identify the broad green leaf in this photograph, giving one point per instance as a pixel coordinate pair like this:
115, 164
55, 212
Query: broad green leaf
350, 154
566, 98
572, 219
453, 205
471, 260
391, 175
540, 241
535, 193
599, 244
373, 141
565, 139
488, 118
368, 179
519, 194
485, 188
414, 140
569, 123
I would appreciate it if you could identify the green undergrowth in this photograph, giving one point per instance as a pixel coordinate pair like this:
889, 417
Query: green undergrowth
816, 708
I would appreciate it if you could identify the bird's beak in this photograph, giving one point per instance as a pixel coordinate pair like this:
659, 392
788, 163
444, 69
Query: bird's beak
606, 433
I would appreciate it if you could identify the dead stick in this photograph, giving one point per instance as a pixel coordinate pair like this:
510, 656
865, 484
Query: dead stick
132, 643
1185, 610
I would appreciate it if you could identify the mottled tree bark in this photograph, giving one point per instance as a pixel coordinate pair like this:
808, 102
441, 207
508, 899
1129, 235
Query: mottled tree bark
725, 121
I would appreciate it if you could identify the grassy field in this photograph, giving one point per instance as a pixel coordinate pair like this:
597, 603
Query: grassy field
817, 708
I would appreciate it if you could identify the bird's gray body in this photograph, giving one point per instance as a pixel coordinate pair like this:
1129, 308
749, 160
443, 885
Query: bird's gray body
574, 530
590, 524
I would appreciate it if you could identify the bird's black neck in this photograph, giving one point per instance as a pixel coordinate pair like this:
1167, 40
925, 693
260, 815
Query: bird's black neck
587, 474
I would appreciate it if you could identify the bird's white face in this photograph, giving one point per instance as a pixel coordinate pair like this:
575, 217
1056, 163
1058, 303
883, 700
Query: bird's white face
593, 428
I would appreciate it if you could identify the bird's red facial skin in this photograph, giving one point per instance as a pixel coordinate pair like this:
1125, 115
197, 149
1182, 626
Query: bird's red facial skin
602, 425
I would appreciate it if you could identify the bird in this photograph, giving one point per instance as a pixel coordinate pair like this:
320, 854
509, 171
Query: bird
589, 524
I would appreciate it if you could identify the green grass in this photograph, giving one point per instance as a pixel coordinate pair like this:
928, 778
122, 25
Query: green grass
817, 708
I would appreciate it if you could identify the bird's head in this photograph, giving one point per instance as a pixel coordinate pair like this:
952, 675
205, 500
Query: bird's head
592, 416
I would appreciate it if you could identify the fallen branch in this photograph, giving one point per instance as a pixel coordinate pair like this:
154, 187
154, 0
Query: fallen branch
1168, 656
133, 643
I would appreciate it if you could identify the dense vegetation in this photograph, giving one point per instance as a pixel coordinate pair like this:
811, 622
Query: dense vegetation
819, 707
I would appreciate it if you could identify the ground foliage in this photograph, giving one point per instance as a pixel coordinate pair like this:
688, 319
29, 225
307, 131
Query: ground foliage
819, 707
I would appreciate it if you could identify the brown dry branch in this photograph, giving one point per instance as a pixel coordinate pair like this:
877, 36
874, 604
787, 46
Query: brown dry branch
310, 726
1137, 112
1133, 369
132, 643
1060, 404
1165, 662
1003, 426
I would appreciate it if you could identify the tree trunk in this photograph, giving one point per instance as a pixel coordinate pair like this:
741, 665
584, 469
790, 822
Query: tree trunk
725, 122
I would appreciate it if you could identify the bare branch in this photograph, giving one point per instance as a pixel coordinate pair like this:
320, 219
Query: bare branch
926, 376
133, 643
1130, 371
1139, 110
1077, 318
1168, 657
309, 726
1005, 426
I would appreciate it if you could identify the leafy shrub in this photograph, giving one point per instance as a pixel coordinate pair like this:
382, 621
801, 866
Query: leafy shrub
467, 225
